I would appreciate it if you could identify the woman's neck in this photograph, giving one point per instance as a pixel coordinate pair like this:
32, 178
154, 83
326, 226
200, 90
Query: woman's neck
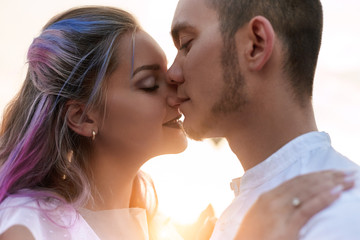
112, 183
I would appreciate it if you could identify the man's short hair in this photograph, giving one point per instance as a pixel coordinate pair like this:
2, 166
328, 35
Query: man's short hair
298, 23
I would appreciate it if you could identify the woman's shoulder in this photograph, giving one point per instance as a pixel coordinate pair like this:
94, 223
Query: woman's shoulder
16, 207
18, 213
18, 200
41, 218
45, 218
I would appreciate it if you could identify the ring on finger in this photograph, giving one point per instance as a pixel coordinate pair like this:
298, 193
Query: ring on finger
295, 202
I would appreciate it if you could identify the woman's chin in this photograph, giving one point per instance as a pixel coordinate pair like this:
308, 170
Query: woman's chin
174, 147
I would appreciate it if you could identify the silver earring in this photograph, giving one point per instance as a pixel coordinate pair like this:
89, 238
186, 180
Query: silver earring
93, 135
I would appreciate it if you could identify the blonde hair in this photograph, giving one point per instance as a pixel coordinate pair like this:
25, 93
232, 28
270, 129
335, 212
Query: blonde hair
70, 60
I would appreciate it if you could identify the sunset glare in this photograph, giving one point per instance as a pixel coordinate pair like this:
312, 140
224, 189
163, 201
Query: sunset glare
188, 182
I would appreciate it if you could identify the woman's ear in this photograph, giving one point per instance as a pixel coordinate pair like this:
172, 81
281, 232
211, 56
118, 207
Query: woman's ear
82, 123
261, 43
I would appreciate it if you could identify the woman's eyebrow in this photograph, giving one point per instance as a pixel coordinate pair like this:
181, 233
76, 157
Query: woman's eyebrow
154, 67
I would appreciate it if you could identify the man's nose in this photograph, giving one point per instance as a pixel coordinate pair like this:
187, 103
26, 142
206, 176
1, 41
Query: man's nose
175, 74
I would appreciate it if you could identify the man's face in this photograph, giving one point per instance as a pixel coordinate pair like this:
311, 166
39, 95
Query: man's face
206, 70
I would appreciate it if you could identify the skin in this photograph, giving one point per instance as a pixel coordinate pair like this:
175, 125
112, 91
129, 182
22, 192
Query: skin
17, 233
266, 115
124, 140
238, 90
278, 220
139, 106
280, 215
199, 87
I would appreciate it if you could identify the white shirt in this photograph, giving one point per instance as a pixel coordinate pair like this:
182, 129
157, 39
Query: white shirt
44, 220
308, 153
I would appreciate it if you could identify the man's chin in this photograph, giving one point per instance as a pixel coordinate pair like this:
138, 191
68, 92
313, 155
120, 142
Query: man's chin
197, 134
194, 135
200, 129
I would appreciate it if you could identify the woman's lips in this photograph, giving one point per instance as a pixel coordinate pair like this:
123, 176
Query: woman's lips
174, 123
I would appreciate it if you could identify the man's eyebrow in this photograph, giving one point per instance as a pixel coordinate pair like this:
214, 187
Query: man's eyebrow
178, 27
153, 67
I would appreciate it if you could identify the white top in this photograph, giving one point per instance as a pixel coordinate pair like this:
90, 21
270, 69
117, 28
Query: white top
115, 224
307, 153
58, 222
44, 220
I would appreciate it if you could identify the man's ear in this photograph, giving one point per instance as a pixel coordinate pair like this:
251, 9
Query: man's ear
261, 43
82, 124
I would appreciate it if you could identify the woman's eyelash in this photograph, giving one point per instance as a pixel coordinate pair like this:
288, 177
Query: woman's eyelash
148, 84
150, 89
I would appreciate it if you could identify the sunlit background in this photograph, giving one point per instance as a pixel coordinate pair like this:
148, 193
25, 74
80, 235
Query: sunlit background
188, 182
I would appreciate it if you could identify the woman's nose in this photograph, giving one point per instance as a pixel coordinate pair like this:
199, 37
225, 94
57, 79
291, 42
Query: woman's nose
173, 101
171, 98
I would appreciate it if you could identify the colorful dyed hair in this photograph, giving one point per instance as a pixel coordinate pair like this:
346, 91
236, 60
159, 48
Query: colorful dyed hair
70, 60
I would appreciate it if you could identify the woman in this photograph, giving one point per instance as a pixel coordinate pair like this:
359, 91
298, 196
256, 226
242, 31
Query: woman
94, 107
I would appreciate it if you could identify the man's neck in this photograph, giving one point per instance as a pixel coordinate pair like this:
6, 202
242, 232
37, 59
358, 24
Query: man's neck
255, 143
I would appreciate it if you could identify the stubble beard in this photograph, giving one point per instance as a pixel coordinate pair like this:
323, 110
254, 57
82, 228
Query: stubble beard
232, 98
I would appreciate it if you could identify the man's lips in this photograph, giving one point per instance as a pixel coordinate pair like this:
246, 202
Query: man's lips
183, 99
174, 123
181, 104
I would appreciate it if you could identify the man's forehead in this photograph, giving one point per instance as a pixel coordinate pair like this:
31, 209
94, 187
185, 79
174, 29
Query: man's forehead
191, 13
187, 10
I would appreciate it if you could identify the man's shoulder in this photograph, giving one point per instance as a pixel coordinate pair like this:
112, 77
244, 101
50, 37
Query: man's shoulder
328, 158
338, 220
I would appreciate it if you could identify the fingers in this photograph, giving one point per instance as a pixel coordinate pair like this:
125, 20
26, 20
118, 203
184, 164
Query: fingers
309, 185
280, 217
314, 205
207, 213
206, 230
318, 180
205, 224
316, 196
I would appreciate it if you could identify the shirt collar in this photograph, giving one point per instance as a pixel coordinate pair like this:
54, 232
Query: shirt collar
280, 160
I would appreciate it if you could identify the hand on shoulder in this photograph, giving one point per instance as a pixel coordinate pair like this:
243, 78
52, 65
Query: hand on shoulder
280, 213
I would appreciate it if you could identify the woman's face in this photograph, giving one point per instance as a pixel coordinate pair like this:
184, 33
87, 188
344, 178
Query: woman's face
139, 119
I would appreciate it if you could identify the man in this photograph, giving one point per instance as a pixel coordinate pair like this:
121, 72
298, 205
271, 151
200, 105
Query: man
245, 71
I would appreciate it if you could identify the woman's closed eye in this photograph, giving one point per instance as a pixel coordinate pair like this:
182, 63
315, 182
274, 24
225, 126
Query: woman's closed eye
148, 84
151, 89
